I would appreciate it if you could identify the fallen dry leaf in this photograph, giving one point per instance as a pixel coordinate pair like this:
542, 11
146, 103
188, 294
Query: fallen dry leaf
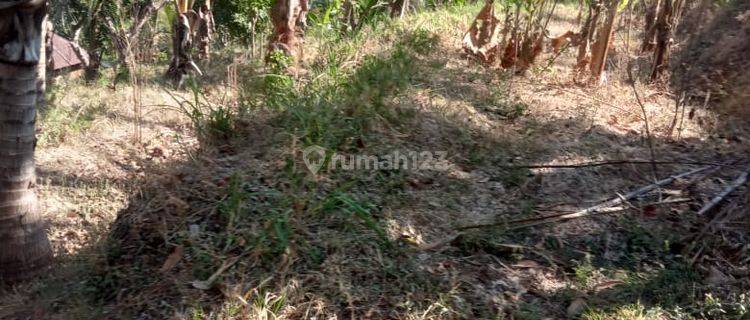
482, 39
173, 259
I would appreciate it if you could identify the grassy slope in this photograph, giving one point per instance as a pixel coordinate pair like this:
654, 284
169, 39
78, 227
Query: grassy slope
233, 199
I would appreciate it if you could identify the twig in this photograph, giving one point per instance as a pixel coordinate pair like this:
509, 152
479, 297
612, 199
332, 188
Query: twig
678, 102
645, 121
605, 207
206, 284
728, 190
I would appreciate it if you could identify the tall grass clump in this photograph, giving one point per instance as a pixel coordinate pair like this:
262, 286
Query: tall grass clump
213, 122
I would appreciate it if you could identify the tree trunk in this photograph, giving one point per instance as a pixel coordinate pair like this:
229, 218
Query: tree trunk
205, 31
93, 31
285, 15
182, 42
664, 27
24, 248
600, 49
649, 28
587, 33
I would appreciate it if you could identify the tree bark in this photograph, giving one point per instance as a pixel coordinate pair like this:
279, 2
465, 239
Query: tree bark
587, 33
24, 247
205, 31
600, 49
664, 27
182, 42
285, 15
649, 28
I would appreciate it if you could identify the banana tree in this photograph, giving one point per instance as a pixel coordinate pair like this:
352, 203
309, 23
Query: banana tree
24, 247
124, 22
184, 31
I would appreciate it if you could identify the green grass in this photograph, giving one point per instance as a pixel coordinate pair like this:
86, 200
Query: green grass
340, 106
302, 239
59, 124
634, 311
213, 121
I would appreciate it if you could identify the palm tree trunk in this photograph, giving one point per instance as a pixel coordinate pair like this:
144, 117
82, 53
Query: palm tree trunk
24, 248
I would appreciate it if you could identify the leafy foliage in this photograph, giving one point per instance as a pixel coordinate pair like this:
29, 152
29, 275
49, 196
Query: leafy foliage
241, 19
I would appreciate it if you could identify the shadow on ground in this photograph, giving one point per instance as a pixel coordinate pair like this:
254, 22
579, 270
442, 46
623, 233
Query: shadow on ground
247, 230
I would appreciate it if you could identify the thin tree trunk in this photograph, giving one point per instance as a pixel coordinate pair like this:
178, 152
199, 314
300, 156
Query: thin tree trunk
24, 248
664, 25
205, 31
123, 38
600, 49
587, 33
649, 29
398, 8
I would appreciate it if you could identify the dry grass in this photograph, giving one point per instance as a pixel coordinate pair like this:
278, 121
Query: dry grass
304, 246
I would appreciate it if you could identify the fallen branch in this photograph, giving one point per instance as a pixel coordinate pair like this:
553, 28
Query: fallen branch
605, 207
608, 163
524, 223
742, 179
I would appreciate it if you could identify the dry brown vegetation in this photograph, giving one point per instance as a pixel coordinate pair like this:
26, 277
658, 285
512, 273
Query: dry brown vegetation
190, 221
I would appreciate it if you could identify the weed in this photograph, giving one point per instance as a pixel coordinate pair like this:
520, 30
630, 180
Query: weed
500, 104
528, 311
356, 209
59, 124
420, 40
636, 311
584, 273
337, 109
268, 304
212, 123
736, 307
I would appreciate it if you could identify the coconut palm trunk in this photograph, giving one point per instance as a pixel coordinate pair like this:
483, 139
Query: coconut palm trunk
24, 248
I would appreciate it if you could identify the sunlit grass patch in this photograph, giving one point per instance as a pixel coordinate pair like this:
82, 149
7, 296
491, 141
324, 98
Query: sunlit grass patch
60, 123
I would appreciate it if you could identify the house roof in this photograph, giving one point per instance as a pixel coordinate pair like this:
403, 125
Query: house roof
65, 54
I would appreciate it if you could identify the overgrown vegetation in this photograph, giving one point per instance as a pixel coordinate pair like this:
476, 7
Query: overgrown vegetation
236, 225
